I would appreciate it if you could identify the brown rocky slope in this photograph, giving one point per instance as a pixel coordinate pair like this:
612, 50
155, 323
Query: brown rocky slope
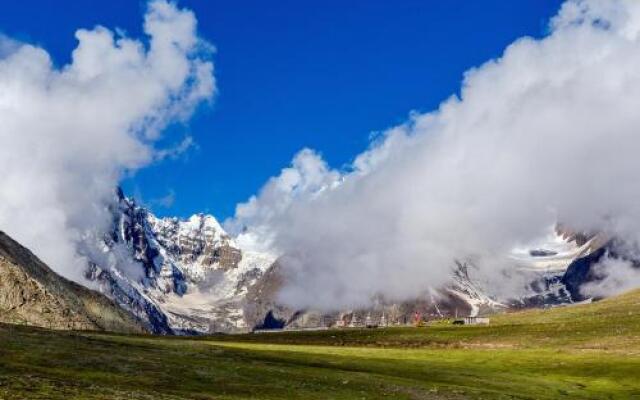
32, 294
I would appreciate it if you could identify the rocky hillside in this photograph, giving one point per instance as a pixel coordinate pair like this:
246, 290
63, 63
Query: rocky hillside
31, 293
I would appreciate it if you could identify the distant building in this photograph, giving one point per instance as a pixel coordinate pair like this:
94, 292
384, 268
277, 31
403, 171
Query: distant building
472, 321
369, 322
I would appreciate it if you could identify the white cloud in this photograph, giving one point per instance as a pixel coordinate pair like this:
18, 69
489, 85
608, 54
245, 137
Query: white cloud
549, 131
614, 276
177, 150
307, 176
68, 134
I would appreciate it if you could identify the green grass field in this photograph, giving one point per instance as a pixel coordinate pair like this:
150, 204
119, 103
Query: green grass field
582, 352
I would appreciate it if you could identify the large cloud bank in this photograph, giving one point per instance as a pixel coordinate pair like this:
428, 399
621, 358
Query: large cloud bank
548, 132
69, 134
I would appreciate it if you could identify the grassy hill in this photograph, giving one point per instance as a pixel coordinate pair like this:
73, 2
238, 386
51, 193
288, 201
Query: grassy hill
587, 351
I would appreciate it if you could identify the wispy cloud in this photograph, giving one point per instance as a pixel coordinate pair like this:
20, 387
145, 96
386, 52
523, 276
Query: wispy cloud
165, 201
176, 151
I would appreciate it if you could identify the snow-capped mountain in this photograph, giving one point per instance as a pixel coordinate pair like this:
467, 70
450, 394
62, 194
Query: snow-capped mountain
537, 274
179, 276
537, 277
190, 276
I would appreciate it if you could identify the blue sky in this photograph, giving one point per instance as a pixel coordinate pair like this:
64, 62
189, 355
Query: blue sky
295, 74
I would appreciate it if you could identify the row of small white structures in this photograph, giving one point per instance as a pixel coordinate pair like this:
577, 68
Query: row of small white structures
369, 323
340, 323
473, 321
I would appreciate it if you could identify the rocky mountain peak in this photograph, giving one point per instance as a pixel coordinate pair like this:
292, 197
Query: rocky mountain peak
180, 275
199, 240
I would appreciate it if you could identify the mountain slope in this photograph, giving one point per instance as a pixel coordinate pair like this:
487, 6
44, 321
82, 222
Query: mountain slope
31, 293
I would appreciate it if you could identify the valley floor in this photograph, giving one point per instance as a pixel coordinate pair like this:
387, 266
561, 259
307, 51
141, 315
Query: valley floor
583, 352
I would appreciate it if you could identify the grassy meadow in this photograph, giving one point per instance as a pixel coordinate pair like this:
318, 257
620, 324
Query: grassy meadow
587, 351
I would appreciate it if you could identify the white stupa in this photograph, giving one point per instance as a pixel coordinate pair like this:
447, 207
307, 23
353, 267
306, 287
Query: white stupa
368, 322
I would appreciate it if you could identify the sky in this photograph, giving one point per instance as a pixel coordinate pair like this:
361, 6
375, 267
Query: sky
368, 147
290, 75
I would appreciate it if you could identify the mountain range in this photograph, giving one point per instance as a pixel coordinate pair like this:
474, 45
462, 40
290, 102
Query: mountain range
194, 278
188, 276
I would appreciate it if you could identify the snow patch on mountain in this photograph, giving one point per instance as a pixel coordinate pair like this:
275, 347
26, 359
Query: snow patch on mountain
552, 253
